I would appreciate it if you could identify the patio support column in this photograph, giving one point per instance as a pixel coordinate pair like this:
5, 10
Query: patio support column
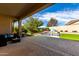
13, 26
19, 27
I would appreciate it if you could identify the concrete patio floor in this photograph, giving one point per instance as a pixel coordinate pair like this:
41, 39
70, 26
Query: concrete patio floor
26, 48
41, 46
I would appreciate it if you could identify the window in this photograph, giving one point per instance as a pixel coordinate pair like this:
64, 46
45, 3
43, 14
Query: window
61, 30
74, 31
66, 30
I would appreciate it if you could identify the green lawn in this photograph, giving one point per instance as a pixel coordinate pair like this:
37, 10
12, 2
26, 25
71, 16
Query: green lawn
70, 36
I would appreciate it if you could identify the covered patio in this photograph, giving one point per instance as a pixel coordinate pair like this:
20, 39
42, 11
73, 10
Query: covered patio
11, 12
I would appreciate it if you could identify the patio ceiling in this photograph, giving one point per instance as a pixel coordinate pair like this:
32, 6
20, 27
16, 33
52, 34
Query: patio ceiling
21, 10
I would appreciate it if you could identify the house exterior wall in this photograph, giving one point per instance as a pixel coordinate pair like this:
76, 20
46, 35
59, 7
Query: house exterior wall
67, 28
5, 24
76, 23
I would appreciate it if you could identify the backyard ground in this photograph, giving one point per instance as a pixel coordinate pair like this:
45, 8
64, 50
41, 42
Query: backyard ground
70, 36
41, 46
27, 47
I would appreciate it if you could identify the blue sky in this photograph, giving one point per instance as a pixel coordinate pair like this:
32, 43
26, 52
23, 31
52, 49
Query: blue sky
63, 12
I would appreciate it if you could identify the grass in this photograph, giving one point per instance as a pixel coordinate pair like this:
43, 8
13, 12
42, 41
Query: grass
70, 36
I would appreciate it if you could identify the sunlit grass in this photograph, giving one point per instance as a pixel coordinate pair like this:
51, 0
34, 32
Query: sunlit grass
70, 36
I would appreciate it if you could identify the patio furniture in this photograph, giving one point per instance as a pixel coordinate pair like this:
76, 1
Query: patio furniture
16, 38
3, 40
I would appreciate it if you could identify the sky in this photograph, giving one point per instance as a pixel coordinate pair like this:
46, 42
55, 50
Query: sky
63, 12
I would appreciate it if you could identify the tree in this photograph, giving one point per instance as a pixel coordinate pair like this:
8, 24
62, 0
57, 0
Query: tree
52, 22
16, 29
32, 24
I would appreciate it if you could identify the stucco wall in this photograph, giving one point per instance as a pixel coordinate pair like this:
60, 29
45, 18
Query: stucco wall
5, 24
69, 28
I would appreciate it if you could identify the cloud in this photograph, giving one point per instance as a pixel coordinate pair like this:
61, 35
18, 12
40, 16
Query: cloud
61, 16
